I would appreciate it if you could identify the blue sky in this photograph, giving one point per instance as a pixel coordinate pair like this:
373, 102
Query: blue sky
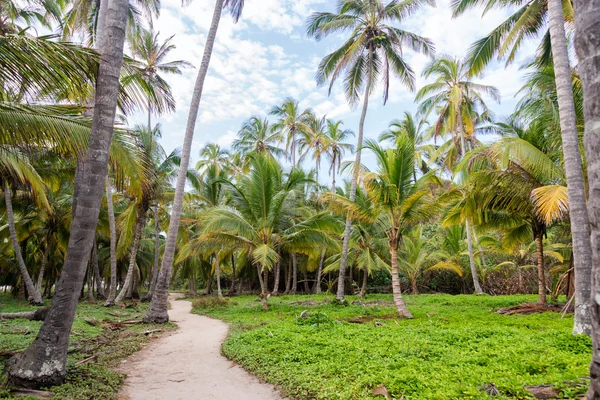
267, 57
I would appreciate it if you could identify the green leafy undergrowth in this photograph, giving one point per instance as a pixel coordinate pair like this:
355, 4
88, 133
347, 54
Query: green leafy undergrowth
454, 348
104, 339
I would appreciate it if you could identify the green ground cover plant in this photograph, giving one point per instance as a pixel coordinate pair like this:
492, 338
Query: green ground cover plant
103, 336
456, 347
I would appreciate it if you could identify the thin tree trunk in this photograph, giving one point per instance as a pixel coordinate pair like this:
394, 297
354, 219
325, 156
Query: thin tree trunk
218, 271
38, 285
233, 269
90, 280
34, 294
587, 44
294, 274
363, 289
44, 363
541, 270
159, 305
333, 179
414, 287
306, 285
148, 297
320, 273
99, 289
288, 278
129, 281
397, 291
580, 224
112, 293
361, 128
263, 288
476, 283
276, 280
208, 283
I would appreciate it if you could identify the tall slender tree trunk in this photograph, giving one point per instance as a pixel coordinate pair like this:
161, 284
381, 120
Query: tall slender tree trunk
263, 288
276, 280
341, 289
320, 273
233, 275
90, 280
159, 305
112, 292
541, 270
333, 177
129, 280
587, 44
306, 285
40, 280
580, 224
44, 362
396, 289
154, 278
288, 278
99, 289
294, 274
34, 294
218, 271
363, 289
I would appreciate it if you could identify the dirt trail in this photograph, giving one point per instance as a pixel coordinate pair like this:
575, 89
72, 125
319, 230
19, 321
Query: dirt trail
188, 364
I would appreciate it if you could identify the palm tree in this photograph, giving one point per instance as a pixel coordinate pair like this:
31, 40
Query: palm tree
31, 368
455, 98
315, 140
586, 34
337, 147
212, 156
291, 123
256, 137
547, 18
152, 55
159, 305
260, 218
375, 49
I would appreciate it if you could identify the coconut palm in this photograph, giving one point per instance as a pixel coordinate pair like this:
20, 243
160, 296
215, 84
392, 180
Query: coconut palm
456, 99
30, 368
337, 147
373, 51
256, 137
291, 124
159, 305
212, 156
547, 18
399, 202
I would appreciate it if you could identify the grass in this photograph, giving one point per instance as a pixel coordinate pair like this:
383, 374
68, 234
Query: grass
454, 347
96, 379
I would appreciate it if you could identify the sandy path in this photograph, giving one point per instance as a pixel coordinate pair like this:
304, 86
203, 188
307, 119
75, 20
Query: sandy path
188, 365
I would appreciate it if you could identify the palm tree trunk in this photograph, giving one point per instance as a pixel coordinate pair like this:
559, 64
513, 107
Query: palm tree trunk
541, 270
288, 278
363, 289
396, 289
294, 274
129, 281
414, 287
580, 224
276, 280
333, 175
588, 51
112, 293
148, 297
320, 273
90, 280
233, 272
306, 285
99, 289
361, 128
159, 305
218, 271
263, 288
476, 283
208, 283
44, 363
34, 294
40, 280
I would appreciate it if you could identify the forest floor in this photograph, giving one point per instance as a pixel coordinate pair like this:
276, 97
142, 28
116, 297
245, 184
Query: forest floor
188, 364
456, 347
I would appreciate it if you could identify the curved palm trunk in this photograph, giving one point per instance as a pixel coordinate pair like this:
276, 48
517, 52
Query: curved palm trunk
34, 294
587, 24
159, 305
541, 270
40, 280
218, 272
320, 273
112, 292
154, 278
44, 363
580, 224
359, 142
294, 274
129, 280
396, 289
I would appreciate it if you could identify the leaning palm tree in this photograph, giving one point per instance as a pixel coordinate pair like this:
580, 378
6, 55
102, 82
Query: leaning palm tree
455, 98
159, 305
337, 147
399, 202
373, 51
547, 18
44, 362
291, 123
587, 32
